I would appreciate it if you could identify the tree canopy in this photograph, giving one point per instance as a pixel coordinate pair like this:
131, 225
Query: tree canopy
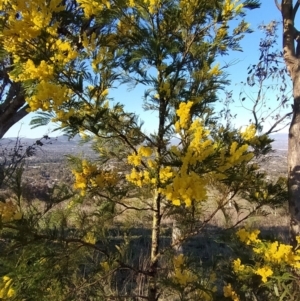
75, 51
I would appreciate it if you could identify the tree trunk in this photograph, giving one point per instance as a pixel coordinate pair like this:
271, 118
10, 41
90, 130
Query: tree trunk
294, 163
153, 290
176, 235
291, 53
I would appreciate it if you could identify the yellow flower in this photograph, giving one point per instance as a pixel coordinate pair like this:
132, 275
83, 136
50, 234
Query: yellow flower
264, 272
249, 132
248, 237
229, 292
182, 275
215, 70
145, 151
184, 114
134, 159
6, 290
90, 238
10, 293
131, 3
237, 266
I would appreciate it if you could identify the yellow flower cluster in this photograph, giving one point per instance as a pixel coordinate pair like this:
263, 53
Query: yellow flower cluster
91, 7
9, 212
40, 38
237, 266
264, 272
153, 5
249, 132
143, 177
104, 53
279, 254
221, 32
186, 184
137, 177
6, 290
48, 96
184, 188
241, 270
104, 179
35, 17
90, 238
185, 278
184, 116
238, 154
41, 72
229, 292
215, 71
248, 237
131, 3
188, 9
230, 7
89, 176
63, 53
63, 116
182, 275
135, 159
272, 256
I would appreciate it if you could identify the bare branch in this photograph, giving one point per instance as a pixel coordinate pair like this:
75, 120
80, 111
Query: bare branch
271, 130
295, 9
278, 5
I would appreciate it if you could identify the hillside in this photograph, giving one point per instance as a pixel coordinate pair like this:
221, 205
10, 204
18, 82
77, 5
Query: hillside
54, 150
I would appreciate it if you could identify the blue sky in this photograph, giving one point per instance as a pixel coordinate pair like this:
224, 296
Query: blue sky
238, 72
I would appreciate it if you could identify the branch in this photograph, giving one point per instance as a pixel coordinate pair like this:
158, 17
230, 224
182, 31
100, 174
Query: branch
13, 109
295, 9
252, 212
278, 5
278, 122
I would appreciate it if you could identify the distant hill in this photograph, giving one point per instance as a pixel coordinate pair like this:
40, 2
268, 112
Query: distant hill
62, 144
280, 141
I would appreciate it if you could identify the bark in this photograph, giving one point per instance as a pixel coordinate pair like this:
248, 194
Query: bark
153, 291
176, 235
291, 56
12, 109
294, 163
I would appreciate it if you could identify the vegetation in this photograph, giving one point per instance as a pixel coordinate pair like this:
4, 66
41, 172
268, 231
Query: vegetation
127, 228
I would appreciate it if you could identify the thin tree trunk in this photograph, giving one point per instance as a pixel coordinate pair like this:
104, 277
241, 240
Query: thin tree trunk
294, 163
153, 290
176, 235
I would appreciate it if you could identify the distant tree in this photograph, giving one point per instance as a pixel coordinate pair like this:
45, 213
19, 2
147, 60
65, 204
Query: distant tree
266, 93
